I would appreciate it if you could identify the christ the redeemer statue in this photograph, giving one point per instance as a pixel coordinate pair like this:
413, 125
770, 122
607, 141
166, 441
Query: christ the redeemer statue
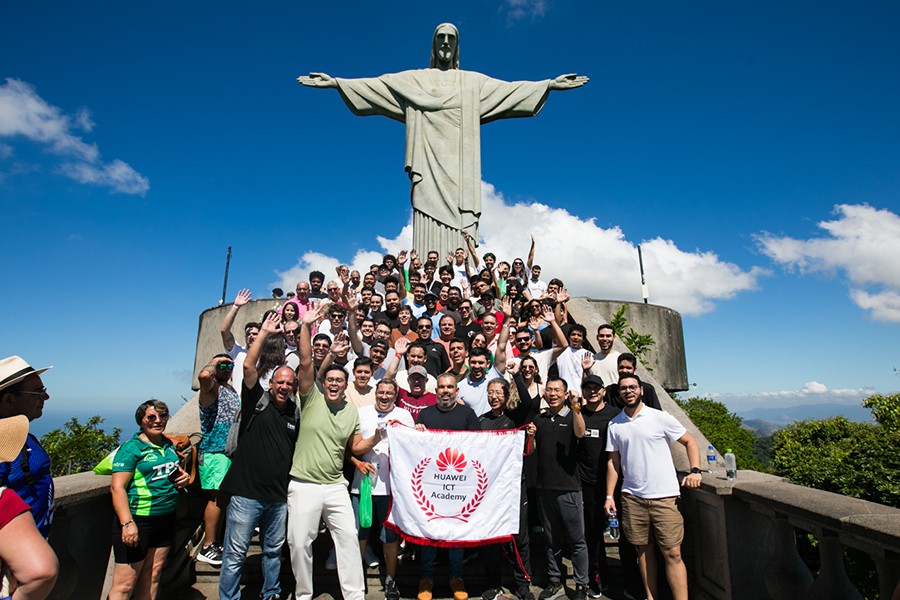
443, 108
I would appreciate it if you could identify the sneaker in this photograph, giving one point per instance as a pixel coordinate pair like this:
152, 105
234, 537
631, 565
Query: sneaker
492, 594
425, 588
390, 590
210, 554
580, 592
458, 587
593, 589
371, 559
524, 593
553, 590
331, 561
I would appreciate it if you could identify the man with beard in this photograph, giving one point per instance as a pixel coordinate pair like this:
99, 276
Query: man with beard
377, 462
219, 403
473, 389
592, 473
258, 478
317, 490
638, 443
436, 358
447, 414
626, 365
603, 363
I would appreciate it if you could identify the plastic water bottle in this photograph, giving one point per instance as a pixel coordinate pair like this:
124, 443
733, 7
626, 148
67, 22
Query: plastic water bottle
614, 527
730, 465
711, 460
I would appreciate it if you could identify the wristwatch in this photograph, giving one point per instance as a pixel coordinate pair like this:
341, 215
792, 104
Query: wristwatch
695, 470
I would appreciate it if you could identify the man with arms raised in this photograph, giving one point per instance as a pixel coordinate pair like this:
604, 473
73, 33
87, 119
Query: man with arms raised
473, 389
447, 414
258, 478
317, 490
638, 444
237, 352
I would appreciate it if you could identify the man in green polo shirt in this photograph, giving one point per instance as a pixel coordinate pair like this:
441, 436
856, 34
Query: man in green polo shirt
317, 490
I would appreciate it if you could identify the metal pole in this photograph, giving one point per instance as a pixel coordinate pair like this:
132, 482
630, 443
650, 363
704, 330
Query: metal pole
645, 292
225, 285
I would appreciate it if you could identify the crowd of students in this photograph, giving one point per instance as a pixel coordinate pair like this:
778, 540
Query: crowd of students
459, 342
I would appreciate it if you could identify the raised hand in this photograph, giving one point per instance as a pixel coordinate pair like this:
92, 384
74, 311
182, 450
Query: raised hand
401, 346
562, 295
587, 361
506, 307
401, 257
319, 80
242, 298
341, 345
310, 316
272, 324
548, 314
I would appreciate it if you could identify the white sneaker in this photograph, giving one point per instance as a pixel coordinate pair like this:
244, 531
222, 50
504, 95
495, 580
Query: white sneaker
371, 559
331, 561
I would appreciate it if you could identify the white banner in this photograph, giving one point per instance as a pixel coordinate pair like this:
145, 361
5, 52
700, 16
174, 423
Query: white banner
455, 488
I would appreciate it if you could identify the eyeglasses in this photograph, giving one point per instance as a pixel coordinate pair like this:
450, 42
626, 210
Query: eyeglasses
290, 331
628, 388
423, 326
155, 418
40, 392
225, 366
461, 307
335, 380
523, 339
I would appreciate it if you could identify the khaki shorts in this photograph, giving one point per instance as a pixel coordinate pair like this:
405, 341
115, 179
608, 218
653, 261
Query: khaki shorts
640, 516
213, 467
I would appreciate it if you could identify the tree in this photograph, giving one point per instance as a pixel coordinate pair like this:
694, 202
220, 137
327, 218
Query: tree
79, 446
638, 343
886, 410
837, 455
723, 429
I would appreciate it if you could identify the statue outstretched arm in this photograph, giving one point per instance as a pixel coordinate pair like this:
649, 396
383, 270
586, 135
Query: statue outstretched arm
569, 81
319, 80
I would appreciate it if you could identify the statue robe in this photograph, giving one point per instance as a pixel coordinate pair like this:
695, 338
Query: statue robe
443, 112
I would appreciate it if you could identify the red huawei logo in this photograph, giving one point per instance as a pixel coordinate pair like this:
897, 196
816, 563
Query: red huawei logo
451, 457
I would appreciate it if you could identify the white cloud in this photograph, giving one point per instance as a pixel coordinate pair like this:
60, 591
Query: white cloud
812, 392
590, 260
24, 114
862, 243
520, 9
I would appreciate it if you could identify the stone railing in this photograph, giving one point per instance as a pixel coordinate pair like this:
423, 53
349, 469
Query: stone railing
82, 538
741, 539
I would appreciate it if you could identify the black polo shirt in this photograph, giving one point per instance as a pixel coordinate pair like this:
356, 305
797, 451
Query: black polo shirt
460, 418
261, 464
592, 447
557, 451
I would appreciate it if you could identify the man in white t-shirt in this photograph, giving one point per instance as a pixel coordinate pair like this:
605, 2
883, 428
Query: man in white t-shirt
376, 464
638, 442
604, 363
570, 361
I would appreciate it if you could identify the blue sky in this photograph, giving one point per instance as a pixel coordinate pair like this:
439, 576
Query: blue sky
753, 151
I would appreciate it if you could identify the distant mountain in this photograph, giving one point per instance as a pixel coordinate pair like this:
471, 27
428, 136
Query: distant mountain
759, 427
765, 418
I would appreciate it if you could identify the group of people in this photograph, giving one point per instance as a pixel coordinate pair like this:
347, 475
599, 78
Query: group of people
294, 420
470, 344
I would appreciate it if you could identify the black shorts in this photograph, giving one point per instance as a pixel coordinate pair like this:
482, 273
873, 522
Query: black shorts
153, 532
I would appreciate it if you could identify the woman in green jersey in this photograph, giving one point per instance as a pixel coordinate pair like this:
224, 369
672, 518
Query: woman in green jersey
144, 481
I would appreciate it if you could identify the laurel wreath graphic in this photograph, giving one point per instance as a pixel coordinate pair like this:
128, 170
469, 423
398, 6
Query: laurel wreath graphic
467, 510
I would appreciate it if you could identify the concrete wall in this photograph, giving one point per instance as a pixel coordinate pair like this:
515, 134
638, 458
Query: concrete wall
666, 357
209, 337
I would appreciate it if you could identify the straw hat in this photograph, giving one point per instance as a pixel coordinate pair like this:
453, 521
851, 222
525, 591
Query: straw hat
13, 431
14, 369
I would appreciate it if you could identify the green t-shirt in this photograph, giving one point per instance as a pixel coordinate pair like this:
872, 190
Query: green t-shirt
150, 492
324, 433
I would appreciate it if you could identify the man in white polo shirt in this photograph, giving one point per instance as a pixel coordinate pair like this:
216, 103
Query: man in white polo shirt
638, 442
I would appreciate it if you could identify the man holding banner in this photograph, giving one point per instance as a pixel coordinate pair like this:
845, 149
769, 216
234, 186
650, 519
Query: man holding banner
452, 485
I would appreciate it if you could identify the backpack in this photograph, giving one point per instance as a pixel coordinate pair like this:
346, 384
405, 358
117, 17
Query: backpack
234, 432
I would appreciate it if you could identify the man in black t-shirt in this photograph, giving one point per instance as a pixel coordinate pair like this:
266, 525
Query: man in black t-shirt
258, 477
447, 414
626, 364
592, 473
559, 429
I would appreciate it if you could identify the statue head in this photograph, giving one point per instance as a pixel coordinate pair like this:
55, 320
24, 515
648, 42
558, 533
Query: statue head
445, 47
